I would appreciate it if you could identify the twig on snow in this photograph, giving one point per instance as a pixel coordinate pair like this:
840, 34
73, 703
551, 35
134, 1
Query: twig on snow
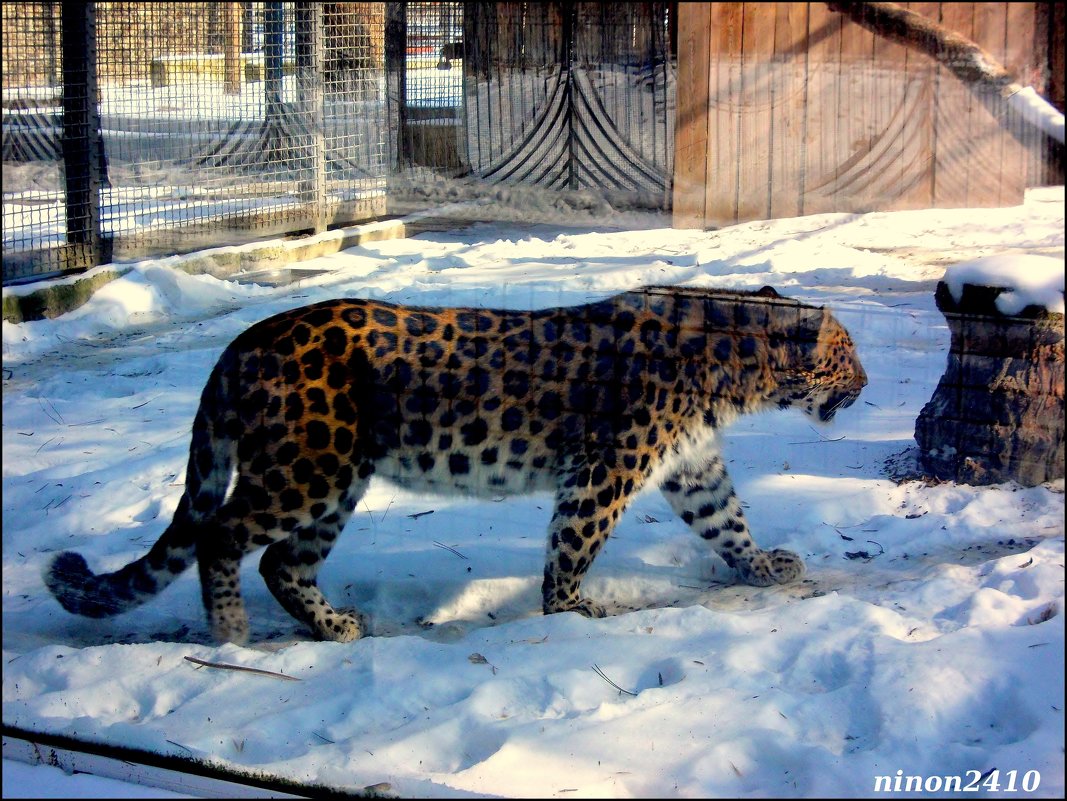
599, 672
225, 666
449, 548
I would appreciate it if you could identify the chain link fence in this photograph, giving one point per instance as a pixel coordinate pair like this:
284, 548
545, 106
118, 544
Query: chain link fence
34, 211
134, 129
139, 129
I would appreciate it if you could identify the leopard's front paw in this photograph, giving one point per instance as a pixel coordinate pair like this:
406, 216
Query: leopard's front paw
230, 625
582, 606
341, 625
772, 567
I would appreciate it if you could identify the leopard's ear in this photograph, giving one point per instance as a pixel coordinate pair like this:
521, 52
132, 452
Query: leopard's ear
767, 292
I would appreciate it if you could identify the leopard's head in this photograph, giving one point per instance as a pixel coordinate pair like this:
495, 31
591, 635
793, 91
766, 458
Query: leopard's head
825, 374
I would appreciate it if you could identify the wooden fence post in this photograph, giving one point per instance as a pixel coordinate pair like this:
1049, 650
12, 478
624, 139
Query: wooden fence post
231, 48
691, 115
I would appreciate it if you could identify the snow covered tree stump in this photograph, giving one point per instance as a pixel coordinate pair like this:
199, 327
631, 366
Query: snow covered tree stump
997, 412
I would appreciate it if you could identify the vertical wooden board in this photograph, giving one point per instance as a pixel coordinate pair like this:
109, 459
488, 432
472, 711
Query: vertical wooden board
856, 120
691, 115
724, 146
756, 140
888, 96
1026, 57
821, 144
920, 110
1021, 57
787, 111
992, 151
899, 109
1005, 27
956, 137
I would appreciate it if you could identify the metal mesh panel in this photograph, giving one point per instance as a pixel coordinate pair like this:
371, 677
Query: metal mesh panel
33, 211
209, 123
355, 111
185, 124
165, 127
226, 120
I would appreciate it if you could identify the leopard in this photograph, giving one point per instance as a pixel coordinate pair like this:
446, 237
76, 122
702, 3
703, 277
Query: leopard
590, 402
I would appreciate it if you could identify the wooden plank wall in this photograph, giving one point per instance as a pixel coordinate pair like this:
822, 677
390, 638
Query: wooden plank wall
786, 109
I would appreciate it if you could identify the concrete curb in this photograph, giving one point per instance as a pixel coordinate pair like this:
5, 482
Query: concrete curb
52, 298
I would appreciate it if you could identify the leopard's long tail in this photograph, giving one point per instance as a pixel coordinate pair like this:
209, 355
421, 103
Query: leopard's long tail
211, 457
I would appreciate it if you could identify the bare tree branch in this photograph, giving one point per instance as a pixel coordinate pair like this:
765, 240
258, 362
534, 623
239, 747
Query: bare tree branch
986, 77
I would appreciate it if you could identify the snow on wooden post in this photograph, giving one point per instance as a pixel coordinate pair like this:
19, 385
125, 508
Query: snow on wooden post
997, 412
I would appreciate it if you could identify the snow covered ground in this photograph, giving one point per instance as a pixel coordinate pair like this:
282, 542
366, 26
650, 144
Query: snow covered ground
22, 780
927, 639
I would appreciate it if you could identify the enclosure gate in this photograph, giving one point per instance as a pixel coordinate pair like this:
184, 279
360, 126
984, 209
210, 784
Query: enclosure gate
564, 96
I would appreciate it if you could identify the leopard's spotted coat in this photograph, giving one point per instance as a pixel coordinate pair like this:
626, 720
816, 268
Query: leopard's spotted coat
591, 402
